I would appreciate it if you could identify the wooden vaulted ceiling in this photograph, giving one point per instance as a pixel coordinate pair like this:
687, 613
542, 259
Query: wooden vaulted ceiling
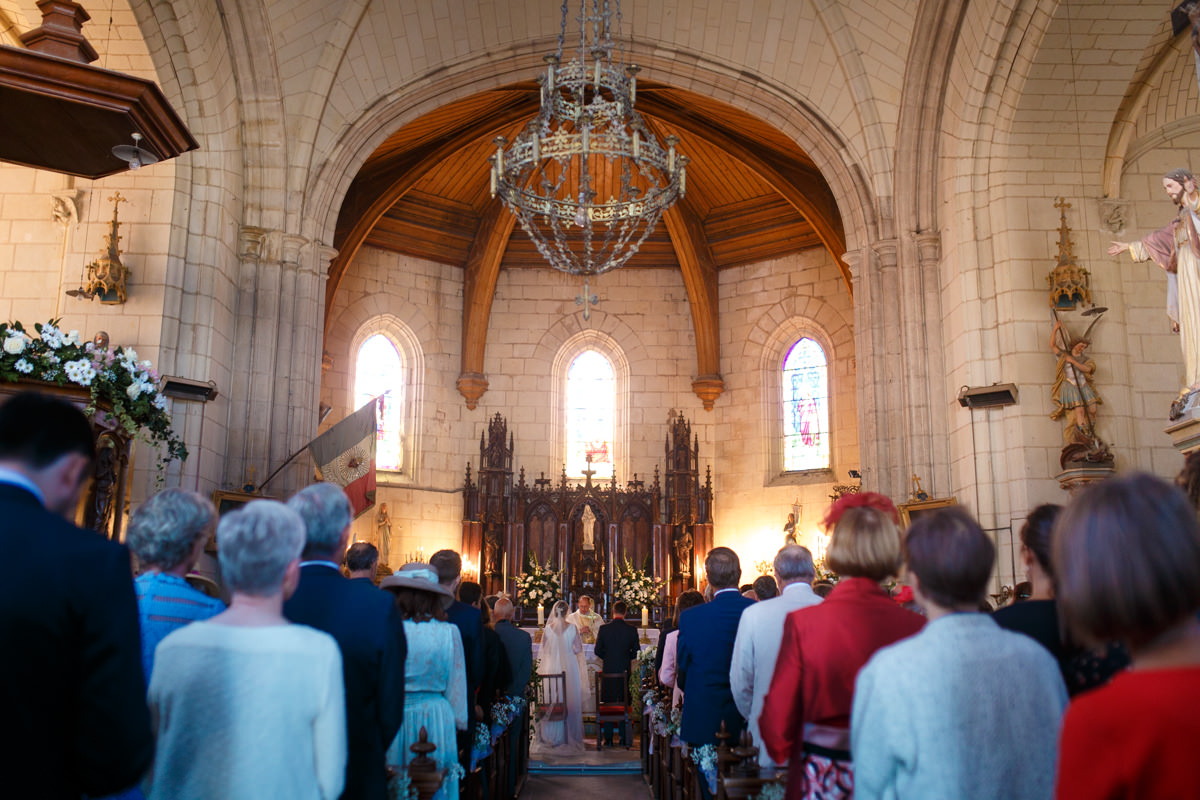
752, 195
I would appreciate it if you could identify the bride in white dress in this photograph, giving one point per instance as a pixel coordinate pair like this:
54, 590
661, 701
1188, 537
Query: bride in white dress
560, 651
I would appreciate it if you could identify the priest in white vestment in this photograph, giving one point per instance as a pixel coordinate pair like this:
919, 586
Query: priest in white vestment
587, 621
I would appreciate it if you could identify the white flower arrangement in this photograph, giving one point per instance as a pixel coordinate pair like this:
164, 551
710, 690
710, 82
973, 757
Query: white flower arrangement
772, 791
636, 588
114, 377
706, 759
539, 584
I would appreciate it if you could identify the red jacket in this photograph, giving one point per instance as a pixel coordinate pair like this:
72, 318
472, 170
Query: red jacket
824, 646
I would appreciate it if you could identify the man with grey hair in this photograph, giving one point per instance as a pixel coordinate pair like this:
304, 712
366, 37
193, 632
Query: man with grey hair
760, 633
369, 632
703, 653
167, 533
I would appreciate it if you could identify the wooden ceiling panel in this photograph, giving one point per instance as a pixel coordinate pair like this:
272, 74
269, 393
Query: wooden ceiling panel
744, 217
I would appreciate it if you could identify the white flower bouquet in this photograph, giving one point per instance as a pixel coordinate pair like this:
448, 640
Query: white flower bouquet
636, 588
114, 377
539, 584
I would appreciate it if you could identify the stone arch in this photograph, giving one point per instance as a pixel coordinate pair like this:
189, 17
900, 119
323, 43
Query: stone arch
766, 98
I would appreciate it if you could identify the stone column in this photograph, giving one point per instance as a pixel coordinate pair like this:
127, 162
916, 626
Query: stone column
897, 326
274, 394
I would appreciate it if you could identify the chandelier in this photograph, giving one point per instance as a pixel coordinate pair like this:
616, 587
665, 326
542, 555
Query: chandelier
587, 143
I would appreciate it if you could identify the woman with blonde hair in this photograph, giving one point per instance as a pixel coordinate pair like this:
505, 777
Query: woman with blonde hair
806, 714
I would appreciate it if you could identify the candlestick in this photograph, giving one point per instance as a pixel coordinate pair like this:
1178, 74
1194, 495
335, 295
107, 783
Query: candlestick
541, 615
645, 617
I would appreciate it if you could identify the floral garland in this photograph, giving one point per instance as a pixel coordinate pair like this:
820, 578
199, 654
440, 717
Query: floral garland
539, 584
706, 759
636, 588
114, 377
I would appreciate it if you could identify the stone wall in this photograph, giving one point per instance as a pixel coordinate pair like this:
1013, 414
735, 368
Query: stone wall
643, 313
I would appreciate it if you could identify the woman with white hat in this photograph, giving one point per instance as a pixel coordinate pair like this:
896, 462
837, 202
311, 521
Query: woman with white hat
435, 684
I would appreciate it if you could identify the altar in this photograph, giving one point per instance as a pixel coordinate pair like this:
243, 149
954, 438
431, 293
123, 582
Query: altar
648, 636
587, 532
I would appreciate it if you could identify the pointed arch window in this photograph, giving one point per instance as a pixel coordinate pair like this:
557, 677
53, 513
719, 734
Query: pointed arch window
805, 411
379, 372
590, 414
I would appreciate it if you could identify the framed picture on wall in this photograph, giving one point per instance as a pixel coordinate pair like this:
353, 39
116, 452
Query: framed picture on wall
232, 501
913, 510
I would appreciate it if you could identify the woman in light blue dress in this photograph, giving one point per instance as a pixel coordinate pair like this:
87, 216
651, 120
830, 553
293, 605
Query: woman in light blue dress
435, 684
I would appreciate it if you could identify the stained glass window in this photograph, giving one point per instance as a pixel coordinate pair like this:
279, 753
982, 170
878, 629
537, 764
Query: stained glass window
379, 370
805, 407
591, 400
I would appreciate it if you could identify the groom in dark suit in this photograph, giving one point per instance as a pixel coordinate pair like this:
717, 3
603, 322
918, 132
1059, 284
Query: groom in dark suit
73, 695
704, 654
369, 632
616, 646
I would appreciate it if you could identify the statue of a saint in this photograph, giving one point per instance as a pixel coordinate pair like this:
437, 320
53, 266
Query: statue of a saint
383, 532
1075, 398
491, 551
1176, 248
683, 552
587, 525
789, 530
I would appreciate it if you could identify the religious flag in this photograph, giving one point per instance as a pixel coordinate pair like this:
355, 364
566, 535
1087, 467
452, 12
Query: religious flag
345, 455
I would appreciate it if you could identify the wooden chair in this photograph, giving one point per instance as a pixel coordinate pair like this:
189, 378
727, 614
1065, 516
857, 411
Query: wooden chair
552, 698
612, 705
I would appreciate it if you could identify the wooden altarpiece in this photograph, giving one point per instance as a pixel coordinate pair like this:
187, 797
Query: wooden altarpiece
586, 529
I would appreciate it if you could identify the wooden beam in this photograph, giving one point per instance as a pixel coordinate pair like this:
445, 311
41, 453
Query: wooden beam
700, 279
390, 181
800, 184
480, 273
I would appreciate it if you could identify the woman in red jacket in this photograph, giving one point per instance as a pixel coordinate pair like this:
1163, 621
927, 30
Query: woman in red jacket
1127, 556
806, 714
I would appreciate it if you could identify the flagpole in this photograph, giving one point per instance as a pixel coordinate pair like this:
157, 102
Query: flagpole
293, 456
290, 459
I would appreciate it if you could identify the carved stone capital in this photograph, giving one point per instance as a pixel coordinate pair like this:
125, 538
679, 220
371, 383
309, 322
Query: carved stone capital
708, 388
854, 259
1116, 215
250, 241
472, 385
887, 251
290, 247
929, 247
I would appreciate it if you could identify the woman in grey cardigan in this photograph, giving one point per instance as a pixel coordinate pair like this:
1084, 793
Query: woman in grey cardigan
963, 708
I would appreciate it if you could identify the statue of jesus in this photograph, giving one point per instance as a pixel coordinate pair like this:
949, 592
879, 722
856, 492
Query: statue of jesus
1176, 248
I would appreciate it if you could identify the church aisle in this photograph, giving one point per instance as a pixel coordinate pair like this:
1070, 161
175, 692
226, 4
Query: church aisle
573, 787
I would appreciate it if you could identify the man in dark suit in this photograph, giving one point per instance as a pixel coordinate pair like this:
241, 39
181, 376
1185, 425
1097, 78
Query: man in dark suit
704, 653
369, 632
616, 645
496, 670
362, 562
519, 649
71, 684
517, 645
469, 622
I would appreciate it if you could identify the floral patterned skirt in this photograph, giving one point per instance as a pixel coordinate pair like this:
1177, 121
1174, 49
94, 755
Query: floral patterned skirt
823, 777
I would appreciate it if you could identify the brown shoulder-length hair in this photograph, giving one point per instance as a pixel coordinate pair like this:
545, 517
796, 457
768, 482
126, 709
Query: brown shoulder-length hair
1126, 556
865, 543
951, 556
419, 606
